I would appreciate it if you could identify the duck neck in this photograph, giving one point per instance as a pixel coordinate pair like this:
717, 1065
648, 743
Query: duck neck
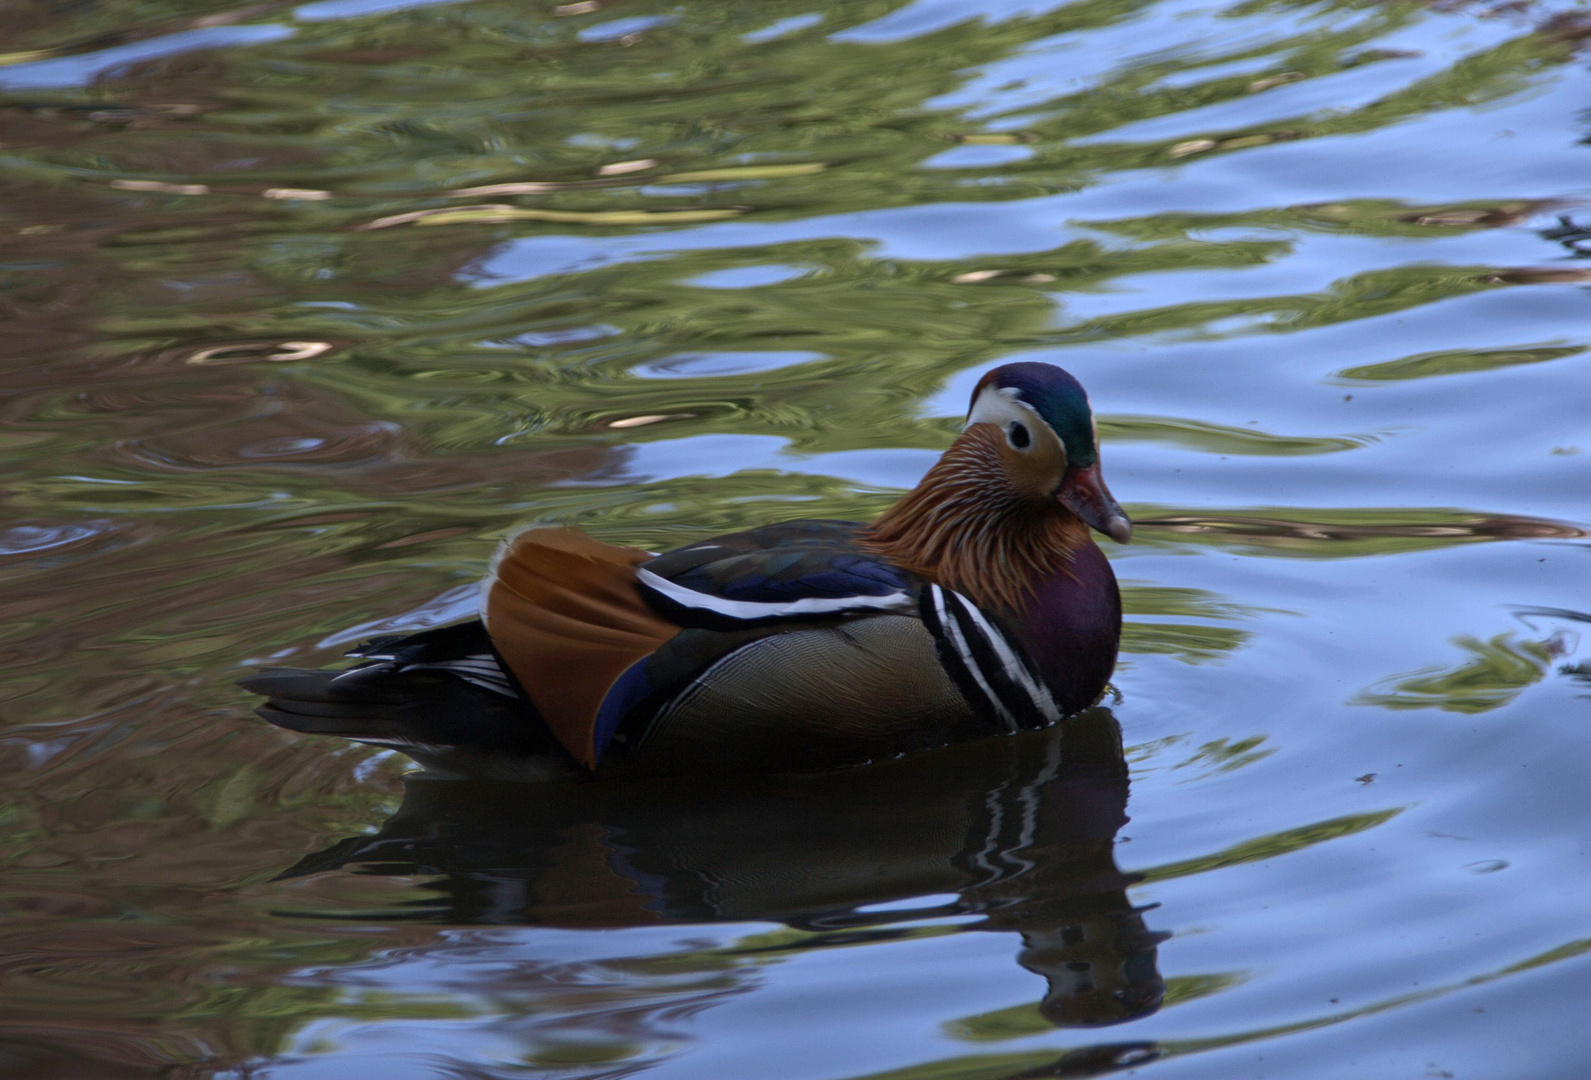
1071, 629
967, 528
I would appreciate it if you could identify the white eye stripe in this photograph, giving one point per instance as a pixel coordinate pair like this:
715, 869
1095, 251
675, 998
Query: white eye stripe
1001, 408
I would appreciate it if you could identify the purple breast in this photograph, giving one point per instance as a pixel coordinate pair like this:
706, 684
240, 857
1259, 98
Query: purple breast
1071, 628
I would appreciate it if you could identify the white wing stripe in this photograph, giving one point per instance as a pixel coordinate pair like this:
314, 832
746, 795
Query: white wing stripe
757, 609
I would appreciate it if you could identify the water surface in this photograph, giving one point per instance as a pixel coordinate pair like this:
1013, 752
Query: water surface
304, 306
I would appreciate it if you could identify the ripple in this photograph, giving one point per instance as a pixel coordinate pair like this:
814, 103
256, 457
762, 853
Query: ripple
246, 443
56, 544
706, 365
277, 352
32, 539
748, 277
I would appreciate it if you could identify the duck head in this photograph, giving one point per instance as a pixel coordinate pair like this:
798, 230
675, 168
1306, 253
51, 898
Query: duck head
1011, 502
1048, 442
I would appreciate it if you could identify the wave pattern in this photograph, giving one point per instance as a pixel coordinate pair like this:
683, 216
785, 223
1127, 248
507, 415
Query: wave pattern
303, 306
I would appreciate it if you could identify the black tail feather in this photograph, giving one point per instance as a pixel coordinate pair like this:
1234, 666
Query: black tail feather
428, 646
403, 700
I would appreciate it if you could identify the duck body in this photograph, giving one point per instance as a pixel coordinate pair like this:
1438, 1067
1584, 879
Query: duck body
978, 605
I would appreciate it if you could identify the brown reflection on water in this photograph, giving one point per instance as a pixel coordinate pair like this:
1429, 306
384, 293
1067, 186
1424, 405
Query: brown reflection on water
1021, 831
208, 425
42, 1052
136, 939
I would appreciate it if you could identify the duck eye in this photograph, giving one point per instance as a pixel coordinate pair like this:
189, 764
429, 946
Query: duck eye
1018, 434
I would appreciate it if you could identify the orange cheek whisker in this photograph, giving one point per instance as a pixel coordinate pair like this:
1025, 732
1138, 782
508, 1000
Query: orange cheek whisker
967, 526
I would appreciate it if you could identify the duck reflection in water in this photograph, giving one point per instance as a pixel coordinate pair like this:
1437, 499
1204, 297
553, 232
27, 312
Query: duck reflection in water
1020, 830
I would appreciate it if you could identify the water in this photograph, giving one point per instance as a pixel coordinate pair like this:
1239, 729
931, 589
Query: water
282, 359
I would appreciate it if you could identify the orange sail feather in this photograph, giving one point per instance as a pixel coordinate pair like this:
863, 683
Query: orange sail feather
564, 612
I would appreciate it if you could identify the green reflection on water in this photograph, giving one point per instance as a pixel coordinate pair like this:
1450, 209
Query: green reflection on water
1189, 642
1498, 671
1458, 362
1220, 439
1279, 843
1024, 1021
1225, 756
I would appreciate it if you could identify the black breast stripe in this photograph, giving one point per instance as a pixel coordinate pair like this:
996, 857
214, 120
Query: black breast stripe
957, 655
988, 664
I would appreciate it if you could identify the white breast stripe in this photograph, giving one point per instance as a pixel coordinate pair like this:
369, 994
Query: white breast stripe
959, 642
755, 609
1037, 692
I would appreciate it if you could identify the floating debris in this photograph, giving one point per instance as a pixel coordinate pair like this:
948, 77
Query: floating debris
499, 213
608, 176
1493, 216
1236, 142
524, 187
748, 172
1370, 56
161, 186
1538, 275
278, 352
991, 138
1262, 139
1271, 81
620, 168
308, 194
649, 418
972, 277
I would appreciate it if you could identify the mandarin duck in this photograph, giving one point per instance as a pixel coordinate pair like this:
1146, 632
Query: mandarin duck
979, 603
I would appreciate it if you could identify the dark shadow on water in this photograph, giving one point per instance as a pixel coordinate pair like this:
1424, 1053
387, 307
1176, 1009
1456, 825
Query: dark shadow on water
1019, 832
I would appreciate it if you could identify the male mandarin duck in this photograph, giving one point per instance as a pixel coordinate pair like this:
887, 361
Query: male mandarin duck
979, 603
